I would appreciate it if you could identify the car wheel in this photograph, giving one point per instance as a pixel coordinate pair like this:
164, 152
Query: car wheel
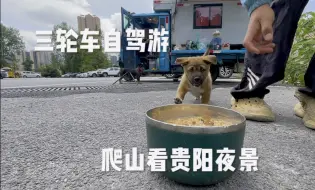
105, 75
169, 76
225, 72
24, 76
214, 70
37, 76
94, 75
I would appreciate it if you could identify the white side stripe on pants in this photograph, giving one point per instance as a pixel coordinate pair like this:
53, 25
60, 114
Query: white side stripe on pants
252, 78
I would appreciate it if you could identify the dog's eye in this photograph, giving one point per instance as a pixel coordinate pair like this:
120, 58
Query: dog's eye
202, 69
191, 69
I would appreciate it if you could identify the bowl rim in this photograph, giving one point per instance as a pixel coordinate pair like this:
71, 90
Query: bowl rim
197, 129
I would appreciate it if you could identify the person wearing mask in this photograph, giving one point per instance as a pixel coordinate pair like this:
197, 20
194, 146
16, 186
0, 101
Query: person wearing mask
269, 38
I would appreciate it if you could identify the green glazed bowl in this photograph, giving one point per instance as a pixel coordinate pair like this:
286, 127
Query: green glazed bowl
164, 135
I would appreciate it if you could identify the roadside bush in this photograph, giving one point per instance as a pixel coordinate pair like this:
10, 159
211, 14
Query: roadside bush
302, 50
50, 71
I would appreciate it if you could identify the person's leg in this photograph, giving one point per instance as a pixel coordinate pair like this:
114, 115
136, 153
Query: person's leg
138, 77
306, 95
309, 79
264, 70
121, 75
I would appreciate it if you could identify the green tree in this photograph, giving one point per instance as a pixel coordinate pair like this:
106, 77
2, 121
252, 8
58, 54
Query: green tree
58, 57
11, 44
96, 59
14, 65
81, 61
56, 62
63, 26
28, 64
65, 61
49, 71
302, 50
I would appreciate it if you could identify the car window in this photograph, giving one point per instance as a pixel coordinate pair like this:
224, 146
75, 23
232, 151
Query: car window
111, 69
33, 72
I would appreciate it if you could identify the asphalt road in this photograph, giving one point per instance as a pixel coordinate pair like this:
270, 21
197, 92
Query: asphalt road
53, 140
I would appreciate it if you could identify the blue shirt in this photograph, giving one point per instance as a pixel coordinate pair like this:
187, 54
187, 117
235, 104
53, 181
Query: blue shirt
251, 5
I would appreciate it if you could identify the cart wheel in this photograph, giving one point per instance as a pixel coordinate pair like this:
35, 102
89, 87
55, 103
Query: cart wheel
128, 78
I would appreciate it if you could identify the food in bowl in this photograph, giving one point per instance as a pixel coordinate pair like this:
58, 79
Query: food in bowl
200, 121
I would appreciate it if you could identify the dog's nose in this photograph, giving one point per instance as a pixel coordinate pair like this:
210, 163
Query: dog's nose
197, 79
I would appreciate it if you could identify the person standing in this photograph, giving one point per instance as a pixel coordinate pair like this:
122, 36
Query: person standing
121, 72
269, 38
134, 73
139, 72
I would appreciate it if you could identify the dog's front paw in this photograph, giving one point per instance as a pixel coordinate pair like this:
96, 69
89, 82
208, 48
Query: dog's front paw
178, 101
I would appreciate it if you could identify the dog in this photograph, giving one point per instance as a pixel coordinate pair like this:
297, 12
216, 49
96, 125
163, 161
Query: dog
196, 78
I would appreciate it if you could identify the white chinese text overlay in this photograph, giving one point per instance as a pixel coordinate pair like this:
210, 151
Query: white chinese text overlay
202, 159
70, 41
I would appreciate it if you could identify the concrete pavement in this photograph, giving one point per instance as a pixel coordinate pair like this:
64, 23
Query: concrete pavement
9, 83
55, 142
46, 82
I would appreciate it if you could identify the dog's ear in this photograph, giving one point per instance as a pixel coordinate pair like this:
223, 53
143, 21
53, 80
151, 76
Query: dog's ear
210, 59
182, 61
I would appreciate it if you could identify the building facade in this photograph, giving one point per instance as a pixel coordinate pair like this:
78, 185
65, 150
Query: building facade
89, 21
113, 60
200, 18
20, 57
39, 59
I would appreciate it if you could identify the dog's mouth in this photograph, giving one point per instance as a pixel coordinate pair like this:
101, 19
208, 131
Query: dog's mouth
196, 83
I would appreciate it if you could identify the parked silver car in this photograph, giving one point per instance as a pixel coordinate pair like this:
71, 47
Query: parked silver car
111, 71
29, 74
92, 73
82, 75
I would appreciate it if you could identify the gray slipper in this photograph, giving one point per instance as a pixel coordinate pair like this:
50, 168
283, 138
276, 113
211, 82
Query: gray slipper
255, 109
308, 103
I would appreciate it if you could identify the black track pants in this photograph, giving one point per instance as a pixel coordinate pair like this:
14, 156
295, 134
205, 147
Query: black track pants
264, 70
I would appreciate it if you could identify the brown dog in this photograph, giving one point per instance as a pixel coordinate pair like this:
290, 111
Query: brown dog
196, 78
